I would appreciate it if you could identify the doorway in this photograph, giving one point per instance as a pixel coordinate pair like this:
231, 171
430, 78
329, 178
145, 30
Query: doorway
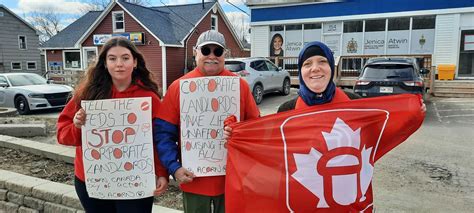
466, 55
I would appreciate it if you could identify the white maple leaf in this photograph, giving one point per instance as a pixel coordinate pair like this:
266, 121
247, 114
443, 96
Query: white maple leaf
344, 192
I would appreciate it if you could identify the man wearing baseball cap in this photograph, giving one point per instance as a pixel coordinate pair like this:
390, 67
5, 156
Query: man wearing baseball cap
199, 193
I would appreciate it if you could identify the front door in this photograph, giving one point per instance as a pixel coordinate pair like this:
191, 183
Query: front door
466, 55
90, 56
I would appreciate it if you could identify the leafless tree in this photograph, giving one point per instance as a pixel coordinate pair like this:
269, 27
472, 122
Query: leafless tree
97, 5
47, 22
241, 24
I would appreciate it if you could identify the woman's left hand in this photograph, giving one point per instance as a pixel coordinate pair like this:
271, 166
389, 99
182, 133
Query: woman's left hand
161, 186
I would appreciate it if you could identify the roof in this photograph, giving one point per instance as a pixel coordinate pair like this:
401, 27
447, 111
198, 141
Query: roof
170, 24
68, 37
183, 19
19, 18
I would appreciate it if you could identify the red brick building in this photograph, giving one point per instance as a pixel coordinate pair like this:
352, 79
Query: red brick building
166, 36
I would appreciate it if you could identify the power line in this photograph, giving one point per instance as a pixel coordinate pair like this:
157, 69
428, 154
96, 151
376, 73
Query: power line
228, 2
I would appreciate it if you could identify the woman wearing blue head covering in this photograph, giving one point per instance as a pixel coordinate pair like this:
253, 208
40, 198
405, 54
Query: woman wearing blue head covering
315, 72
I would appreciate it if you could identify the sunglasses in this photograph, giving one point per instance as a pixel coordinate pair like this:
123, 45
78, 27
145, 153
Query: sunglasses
218, 51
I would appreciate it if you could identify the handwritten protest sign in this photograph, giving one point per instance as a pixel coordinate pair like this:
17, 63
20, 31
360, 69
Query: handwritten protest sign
204, 105
117, 148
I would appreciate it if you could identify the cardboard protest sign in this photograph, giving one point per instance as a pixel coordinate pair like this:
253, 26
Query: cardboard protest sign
117, 146
204, 105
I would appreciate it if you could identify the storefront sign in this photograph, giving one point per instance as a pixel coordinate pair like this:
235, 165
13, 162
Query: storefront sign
397, 42
293, 44
352, 44
276, 43
123, 35
100, 39
374, 43
332, 41
332, 27
422, 41
138, 38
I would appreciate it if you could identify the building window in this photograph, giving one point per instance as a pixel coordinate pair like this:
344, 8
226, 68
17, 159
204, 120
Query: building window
424, 22
353, 26
294, 27
214, 22
118, 22
398, 24
375, 25
276, 28
1, 14
312, 26
72, 60
22, 42
16, 65
31, 65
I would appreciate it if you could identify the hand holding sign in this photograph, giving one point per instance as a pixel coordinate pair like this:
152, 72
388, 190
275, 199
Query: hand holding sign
182, 175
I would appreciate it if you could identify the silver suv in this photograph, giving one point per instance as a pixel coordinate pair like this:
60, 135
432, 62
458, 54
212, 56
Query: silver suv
261, 75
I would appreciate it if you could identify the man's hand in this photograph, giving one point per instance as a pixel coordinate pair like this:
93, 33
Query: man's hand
227, 132
161, 186
182, 175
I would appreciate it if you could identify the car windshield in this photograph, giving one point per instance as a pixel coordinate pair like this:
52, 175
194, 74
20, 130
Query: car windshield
235, 66
388, 71
25, 80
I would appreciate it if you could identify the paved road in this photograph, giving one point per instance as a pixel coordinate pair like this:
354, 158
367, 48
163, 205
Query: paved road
433, 170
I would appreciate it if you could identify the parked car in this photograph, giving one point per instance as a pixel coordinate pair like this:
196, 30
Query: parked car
261, 75
390, 75
29, 91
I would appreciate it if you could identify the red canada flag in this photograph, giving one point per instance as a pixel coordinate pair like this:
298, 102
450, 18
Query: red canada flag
316, 159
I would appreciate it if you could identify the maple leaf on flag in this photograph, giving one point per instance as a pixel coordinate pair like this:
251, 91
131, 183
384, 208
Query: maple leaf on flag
345, 186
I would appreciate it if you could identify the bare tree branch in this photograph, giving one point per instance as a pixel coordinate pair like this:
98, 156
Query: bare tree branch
47, 22
99, 5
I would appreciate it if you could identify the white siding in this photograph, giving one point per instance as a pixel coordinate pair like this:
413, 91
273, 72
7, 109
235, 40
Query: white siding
260, 40
467, 21
446, 39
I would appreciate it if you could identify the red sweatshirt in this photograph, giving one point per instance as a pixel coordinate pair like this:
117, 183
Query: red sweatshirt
68, 134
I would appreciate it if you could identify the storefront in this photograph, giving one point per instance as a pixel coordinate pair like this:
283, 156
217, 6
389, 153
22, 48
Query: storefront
441, 31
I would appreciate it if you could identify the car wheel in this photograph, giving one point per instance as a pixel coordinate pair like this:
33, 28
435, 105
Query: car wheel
258, 94
21, 105
285, 90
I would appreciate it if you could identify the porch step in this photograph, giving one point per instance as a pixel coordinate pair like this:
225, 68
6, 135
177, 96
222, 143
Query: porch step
456, 88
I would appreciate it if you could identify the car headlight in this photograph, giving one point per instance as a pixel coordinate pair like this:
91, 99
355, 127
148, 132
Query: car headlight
36, 95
